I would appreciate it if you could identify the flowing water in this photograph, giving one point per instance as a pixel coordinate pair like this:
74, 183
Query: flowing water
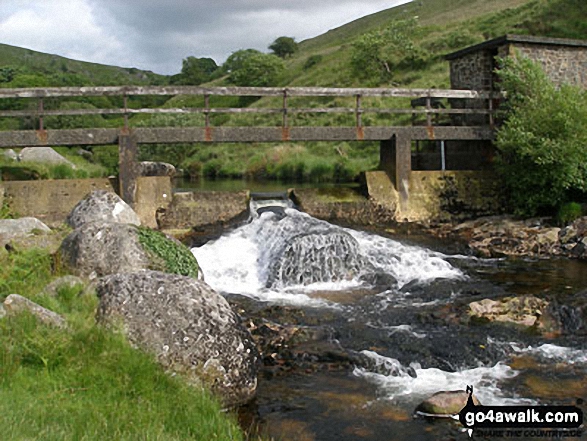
393, 306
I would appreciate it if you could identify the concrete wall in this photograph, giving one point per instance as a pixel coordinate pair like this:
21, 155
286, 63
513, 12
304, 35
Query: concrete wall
452, 195
52, 200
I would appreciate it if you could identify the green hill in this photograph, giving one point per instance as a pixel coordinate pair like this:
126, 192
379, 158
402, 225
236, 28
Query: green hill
21, 67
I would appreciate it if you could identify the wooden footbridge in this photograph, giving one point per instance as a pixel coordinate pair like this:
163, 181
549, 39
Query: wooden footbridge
437, 122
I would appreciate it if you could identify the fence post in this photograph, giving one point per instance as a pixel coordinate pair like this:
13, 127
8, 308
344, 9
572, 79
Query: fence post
128, 166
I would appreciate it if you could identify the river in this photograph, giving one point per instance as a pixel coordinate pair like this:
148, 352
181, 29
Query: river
397, 306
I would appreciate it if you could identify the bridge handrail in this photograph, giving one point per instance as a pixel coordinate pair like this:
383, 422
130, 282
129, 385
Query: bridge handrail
54, 92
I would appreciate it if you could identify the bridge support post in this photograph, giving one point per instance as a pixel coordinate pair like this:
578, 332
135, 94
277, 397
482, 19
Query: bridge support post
128, 166
395, 158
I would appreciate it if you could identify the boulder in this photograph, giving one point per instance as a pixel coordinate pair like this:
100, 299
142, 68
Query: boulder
523, 310
44, 155
100, 248
102, 205
10, 155
97, 249
10, 228
16, 304
445, 403
187, 326
150, 168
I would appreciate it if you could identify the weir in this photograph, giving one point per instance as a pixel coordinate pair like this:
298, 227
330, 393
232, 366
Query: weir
440, 123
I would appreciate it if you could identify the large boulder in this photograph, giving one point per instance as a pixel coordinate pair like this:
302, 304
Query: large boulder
97, 249
10, 155
10, 228
189, 328
15, 304
102, 205
44, 155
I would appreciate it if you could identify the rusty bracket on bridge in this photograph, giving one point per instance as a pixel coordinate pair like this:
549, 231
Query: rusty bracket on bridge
285, 136
208, 134
360, 134
431, 135
42, 136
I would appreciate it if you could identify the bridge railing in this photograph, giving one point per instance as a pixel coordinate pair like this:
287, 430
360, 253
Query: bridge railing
424, 102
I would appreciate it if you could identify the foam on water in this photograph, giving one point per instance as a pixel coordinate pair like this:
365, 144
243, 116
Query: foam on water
403, 386
238, 262
558, 353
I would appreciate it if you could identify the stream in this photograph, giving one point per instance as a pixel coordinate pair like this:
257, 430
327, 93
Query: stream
387, 328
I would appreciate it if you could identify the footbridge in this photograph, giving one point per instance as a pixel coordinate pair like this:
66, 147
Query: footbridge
395, 117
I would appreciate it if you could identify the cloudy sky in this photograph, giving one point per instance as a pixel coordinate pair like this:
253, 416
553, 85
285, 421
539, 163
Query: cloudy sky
157, 34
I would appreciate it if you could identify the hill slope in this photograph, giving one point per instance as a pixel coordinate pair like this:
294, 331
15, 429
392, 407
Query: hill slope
21, 67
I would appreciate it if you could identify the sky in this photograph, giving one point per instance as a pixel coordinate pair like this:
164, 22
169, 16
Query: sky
157, 35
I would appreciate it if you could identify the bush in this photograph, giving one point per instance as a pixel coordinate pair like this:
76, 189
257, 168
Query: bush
568, 212
542, 156
312, 61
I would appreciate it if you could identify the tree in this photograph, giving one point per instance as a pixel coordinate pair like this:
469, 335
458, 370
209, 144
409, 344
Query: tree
376, 54
542, 156
258, 70
284, 47
195, 71
236, 59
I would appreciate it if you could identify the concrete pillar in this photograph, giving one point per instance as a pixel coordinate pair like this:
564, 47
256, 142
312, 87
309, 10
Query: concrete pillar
128, 166
395, 158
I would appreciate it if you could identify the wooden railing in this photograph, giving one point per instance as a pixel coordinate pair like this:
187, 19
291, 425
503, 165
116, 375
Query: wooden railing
426, 98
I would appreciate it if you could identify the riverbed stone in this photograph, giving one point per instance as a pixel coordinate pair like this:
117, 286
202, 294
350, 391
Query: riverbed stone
15, 304
11, 228
189, 328
102, 205
43, 155
446, 403
522, 310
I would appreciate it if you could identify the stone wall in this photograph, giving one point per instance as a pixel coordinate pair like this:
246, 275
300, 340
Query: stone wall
562, 64
473, 71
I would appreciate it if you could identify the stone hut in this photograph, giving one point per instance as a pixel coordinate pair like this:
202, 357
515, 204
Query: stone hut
563, 60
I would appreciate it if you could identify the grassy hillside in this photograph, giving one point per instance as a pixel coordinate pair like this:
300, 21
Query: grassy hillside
21, 67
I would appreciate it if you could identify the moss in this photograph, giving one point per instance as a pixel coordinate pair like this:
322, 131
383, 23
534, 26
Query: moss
173, 256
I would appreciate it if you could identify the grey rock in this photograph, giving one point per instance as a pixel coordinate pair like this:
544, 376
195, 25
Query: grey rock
190, 329
445, 403
100, 248
10, 155
15, 304
10, 228
85, 154
44, 155
102, 205
150, 168
64, 282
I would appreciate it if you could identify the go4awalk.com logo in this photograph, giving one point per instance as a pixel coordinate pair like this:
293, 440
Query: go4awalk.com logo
521, 421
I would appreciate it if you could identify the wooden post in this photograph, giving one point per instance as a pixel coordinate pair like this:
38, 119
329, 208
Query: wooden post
403, 163
128, 166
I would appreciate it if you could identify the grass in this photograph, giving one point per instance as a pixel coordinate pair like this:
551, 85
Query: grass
86, 382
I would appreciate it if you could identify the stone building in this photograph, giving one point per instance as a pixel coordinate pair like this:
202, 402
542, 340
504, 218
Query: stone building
563, 60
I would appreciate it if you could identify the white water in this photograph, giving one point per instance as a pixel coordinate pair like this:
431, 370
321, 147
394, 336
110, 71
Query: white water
485, 381
237, 262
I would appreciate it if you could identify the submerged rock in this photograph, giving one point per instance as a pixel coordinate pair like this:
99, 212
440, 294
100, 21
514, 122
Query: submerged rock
190, 328
523, 310
102, 205
445, 403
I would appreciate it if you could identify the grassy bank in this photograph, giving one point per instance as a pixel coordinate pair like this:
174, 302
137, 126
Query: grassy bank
87, 383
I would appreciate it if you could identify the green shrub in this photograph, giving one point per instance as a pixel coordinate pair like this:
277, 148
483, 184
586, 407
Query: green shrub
568, 212
542, 156
312, 61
